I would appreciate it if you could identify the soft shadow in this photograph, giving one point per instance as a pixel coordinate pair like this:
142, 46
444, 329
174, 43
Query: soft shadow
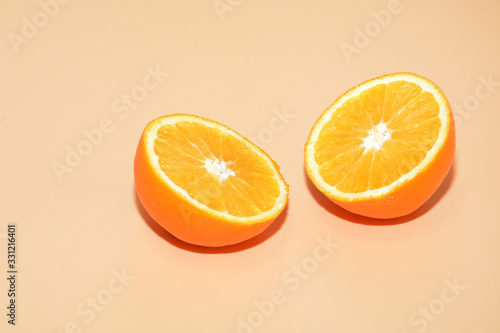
160, 231
340, 212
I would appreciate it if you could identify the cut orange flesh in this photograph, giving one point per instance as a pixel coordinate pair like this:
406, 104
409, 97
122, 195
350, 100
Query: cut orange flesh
383, 147
205, 183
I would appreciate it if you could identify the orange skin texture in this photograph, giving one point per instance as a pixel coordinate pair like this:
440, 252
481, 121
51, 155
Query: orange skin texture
413, 193
181, 218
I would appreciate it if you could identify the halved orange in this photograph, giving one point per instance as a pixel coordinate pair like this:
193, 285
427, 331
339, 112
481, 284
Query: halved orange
383, 148
204, 183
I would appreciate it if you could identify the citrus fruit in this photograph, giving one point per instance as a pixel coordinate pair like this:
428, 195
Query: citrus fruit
383, 148
204, 183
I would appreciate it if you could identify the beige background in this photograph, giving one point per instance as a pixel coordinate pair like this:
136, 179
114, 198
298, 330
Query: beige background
240, 66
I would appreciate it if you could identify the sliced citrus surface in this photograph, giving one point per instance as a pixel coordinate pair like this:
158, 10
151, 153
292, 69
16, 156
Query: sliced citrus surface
204, 183
383, 148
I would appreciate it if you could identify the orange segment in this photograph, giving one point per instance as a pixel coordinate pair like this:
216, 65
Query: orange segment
205, 183
398, 94
376, 138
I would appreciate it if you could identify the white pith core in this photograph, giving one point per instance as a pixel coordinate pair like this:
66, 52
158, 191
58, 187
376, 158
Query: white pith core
376, 137
218, 168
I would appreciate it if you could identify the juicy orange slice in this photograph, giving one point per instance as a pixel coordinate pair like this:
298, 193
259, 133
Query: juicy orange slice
205, 183
384, 147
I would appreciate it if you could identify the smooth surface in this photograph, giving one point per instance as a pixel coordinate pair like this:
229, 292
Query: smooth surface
268, 69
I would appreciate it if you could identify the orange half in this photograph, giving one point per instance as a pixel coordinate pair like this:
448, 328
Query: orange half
383, 148
205, 183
